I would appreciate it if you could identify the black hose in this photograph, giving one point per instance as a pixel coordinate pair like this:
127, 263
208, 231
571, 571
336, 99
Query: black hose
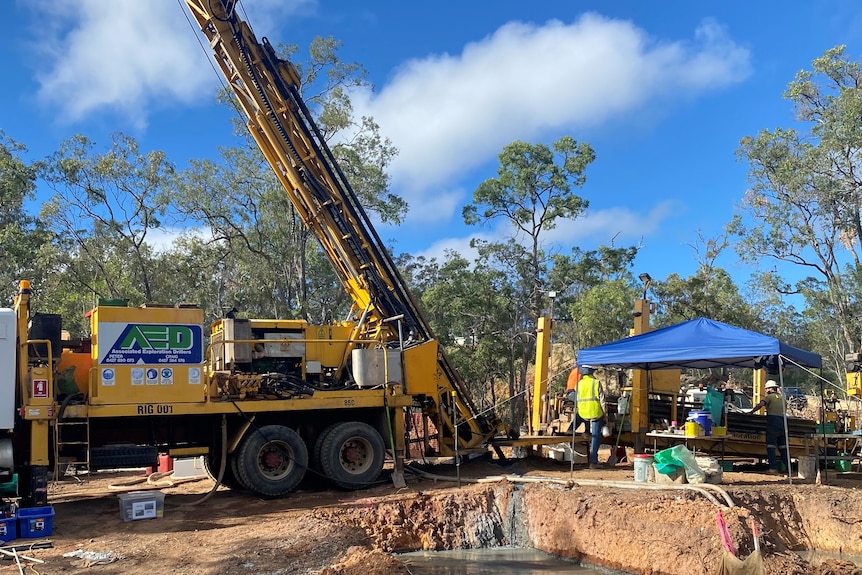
221, 467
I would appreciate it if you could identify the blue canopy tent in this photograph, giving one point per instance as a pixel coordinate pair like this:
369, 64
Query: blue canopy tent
699, 343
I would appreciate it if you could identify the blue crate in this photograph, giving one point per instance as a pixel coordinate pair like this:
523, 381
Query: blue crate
8, 529
35, 522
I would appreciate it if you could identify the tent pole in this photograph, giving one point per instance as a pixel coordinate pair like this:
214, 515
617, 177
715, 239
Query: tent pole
786, 432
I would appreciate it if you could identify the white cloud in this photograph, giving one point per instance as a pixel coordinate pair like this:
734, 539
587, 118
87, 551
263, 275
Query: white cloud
127, 56
118, 55
617, 226
448, 114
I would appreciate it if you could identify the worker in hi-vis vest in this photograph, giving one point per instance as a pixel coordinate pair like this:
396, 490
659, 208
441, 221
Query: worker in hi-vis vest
591, 409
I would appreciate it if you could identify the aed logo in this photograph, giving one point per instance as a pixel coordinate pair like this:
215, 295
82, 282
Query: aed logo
157, 337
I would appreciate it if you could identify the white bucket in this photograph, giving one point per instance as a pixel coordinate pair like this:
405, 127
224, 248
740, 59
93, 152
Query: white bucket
807, 467
644, 470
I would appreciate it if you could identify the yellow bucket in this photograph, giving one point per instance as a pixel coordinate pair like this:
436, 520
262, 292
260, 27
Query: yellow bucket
693, 429
719, 431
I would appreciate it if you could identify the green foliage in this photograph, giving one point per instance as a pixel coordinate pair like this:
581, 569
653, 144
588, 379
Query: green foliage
23, 238
104, 208
709, 293
532, 193
469, 308
804, 206
532, 190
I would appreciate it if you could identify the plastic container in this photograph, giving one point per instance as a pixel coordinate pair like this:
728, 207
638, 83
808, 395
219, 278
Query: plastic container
807, 468
166, 463
644, 469
693, 429
623, 405
702, 418
842, 465
719, 430
825, 427
141, 505
8, 529
35, 522
189, 467
10, 489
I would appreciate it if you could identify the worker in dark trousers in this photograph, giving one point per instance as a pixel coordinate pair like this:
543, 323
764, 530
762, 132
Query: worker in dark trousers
591, 408
775, 436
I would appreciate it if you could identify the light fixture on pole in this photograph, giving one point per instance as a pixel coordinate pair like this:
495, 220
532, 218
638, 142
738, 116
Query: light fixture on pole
647, 280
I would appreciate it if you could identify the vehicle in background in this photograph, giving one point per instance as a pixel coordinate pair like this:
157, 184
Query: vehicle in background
735, 399
795, 397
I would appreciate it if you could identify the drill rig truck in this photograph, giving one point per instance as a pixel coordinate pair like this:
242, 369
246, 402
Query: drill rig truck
261, 400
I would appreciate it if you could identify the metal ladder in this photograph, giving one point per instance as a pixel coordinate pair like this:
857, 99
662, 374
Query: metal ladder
72, 446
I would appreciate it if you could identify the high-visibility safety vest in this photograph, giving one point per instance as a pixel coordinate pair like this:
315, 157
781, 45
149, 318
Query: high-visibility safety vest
589, 406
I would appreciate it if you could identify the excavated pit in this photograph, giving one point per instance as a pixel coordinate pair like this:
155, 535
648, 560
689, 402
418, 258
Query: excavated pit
591, 516
633, 531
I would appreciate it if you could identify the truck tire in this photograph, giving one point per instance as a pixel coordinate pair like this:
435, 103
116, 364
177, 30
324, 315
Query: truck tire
229, 478
351, 454
271, 461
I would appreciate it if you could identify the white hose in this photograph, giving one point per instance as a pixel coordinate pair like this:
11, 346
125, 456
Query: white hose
702, 488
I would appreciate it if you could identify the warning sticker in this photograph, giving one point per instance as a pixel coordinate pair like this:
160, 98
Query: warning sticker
137, 375
152, 376
109, 377
167, 376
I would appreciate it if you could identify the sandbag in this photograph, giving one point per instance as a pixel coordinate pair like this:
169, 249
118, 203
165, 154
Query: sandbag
732, 565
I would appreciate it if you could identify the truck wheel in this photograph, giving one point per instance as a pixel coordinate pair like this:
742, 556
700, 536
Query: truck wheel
7, 460
351, 454
318, 448
271, 461
229, 478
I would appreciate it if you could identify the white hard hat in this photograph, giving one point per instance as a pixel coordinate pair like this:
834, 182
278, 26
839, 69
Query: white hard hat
771, 384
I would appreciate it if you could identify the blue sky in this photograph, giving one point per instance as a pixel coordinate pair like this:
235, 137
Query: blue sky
663, 91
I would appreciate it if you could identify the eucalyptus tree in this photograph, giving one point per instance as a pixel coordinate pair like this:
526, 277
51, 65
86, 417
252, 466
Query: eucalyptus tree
595, 292
103, 212
710, 292
804, 206
533, 190
469, 307
23, 238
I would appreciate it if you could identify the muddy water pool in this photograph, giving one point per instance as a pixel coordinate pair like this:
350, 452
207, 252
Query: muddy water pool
496, 561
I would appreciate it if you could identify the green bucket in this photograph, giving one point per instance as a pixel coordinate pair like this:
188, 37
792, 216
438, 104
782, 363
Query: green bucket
842, 464
10, 489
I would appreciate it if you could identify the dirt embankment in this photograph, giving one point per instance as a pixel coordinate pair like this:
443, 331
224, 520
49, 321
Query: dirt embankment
642, 532
332, 532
